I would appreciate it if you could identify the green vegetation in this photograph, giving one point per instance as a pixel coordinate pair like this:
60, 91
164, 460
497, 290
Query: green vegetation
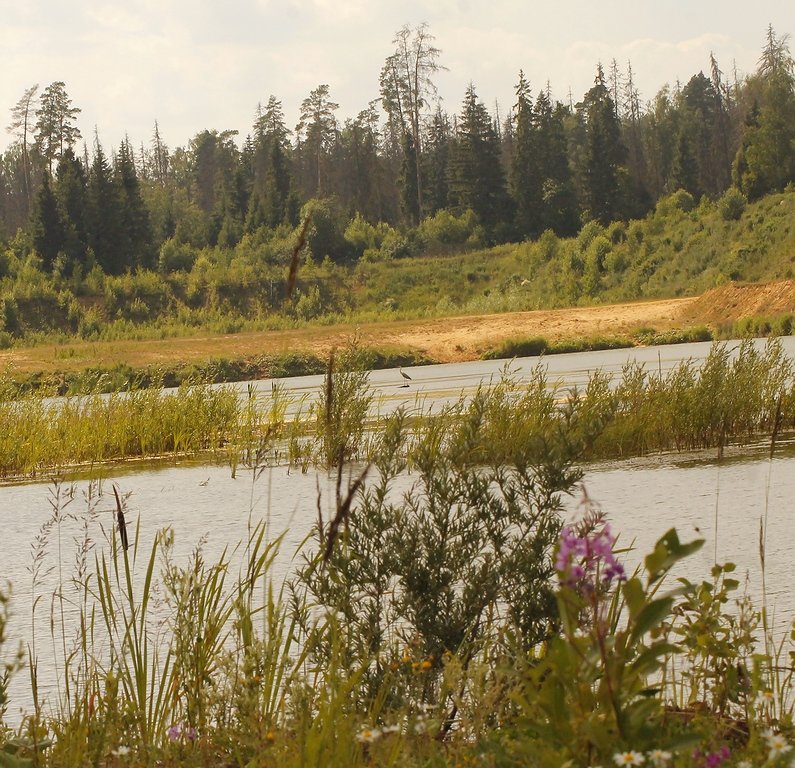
426, 215
728, 399
675, 250
439, 616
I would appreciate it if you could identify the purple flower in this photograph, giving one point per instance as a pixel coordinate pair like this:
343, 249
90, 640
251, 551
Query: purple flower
174, 732
585, 560
712, 759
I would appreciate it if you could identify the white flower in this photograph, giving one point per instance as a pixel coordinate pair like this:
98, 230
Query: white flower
391, 729
744, 764
628, 758
121, 751
778, 745
659, 757
764, 698
368, 735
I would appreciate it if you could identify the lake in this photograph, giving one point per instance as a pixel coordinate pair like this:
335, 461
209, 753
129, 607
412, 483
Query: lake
723, 502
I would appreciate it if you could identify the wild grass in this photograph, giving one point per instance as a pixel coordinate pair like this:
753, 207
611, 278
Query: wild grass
734, 396
41, 435
439, 615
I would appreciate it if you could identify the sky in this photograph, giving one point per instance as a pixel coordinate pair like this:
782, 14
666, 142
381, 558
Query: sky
194, 65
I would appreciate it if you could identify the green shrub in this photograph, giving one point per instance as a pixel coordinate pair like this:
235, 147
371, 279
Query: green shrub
732, 204
587, 234
365, 237
446, 229
175, 256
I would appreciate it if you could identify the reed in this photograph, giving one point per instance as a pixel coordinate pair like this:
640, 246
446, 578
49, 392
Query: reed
735, 396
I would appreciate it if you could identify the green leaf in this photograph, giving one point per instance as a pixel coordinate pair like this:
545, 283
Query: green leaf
668, 551
12, 761
648, 660
651, 615
634, 596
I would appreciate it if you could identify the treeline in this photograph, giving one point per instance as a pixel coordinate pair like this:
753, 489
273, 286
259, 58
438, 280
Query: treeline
403, 163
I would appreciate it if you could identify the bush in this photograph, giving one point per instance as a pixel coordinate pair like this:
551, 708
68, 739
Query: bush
138, 297
325, 236
444, 228
732, 205
365, 237
175, 256
681, 200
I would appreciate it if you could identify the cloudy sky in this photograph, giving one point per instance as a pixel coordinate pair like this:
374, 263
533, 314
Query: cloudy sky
205, 64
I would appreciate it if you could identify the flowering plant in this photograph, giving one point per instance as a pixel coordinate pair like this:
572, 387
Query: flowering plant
595, 688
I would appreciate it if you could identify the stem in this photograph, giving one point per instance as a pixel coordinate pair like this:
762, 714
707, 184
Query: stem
600, 639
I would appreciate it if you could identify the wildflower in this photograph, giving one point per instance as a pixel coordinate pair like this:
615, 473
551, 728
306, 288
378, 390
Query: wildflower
744, 764
190, 733
714, 759
584, 560
368, 735
395, 728
777, 743
174, 732
659, 757
764, 699
628, 758
121, 751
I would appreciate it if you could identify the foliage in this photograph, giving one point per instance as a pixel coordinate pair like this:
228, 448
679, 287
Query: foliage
343, 408
732, 204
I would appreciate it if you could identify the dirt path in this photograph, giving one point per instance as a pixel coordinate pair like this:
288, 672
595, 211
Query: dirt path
451, 339
444, 339
466, 338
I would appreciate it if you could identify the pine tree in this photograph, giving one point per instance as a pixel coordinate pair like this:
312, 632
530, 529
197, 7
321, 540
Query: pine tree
317, 133
47, 228
21, 126
55, 128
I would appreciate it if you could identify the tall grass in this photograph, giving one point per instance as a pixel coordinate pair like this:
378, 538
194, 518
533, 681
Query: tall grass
734, 396
433, 619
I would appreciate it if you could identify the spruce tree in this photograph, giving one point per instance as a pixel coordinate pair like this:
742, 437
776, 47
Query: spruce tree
47, 228
136, 240
526, 177
104, 214
604, 156
477, 176
70, 190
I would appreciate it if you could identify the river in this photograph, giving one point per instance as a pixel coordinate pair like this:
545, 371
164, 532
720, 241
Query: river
723, 502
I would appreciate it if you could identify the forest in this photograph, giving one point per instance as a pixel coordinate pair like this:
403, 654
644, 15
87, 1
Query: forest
402, 178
